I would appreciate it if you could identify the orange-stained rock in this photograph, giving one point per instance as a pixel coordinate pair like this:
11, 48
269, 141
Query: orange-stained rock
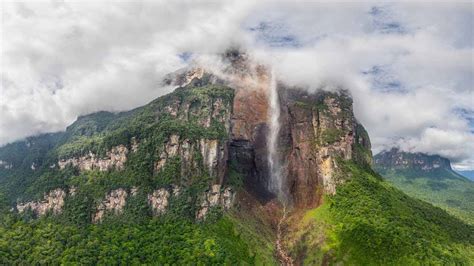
250, 110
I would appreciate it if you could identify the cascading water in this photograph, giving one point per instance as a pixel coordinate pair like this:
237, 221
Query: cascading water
276, 181
276, 178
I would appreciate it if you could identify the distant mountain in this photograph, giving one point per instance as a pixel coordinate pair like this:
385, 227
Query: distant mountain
430, 178
469, 174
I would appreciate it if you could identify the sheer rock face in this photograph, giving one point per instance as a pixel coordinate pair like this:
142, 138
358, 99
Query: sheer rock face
115, 158
317, 129
52, 202
114, 202
248, 146
216, 196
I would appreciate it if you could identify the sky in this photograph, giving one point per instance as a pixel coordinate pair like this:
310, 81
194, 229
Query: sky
408, 65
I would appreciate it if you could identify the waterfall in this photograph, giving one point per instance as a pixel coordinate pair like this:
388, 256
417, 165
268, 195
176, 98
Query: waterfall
275, 183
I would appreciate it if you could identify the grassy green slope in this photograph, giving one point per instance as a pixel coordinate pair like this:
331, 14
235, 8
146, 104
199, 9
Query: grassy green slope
445, 190
369, 222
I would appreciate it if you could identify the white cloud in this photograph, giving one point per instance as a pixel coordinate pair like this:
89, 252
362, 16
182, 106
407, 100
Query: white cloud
449, 143
64, 59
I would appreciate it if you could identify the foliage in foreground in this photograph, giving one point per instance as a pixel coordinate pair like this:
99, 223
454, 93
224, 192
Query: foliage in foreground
158, 241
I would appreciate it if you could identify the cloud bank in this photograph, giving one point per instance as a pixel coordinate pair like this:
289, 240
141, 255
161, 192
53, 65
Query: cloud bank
409, 66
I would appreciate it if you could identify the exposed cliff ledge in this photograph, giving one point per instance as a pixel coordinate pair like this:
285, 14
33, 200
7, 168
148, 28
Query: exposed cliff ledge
115, 158
216, 196
158, 200
210, 153
114, 202
53, 202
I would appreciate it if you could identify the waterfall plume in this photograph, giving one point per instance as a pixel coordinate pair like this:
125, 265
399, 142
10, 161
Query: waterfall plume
275, 183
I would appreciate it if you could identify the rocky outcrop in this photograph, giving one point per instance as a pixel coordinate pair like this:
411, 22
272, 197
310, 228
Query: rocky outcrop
114, 202
134, 191
216, 196
158, 201
248, 146
115, 158
134, 144
399, 160
73, 190
210, 154
52, 202
183, 77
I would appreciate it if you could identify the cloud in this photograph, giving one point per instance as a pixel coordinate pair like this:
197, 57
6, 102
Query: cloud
449, 143
411, 81
410, 72
64, 59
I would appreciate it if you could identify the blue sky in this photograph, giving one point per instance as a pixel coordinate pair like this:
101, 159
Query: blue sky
409, 66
